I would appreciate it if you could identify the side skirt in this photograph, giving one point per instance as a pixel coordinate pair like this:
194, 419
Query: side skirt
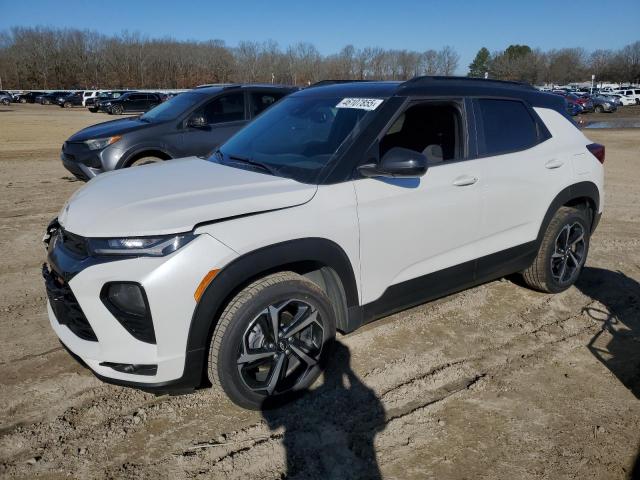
444, 282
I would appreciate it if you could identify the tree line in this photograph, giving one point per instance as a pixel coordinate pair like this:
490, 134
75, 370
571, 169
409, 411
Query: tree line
47, 58
559, 66
50, 58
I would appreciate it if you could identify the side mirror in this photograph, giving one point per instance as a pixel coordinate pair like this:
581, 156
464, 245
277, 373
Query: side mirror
399, 163
197, 121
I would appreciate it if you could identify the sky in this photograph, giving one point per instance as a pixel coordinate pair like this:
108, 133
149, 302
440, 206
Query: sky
331, 24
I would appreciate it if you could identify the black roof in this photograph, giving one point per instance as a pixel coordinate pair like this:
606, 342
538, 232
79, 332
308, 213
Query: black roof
440, 86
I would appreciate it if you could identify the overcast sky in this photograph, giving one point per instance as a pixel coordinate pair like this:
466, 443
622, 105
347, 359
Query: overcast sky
330, 24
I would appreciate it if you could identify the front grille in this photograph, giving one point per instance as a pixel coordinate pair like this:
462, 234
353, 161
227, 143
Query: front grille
75, 244
65, 306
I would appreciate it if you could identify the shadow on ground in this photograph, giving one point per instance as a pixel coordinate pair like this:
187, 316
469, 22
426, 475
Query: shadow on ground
330, 432
617, 344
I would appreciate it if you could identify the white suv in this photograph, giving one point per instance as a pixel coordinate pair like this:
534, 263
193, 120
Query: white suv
341, 204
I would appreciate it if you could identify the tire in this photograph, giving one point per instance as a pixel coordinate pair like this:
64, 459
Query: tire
116, 110
145, 161
569, 226
248, 319
599, 109
5, 101
93, 110
23, 100
66, 105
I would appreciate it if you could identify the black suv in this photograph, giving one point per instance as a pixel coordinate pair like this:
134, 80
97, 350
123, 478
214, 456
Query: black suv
93, 103
29, 97
131, 102
72, 100
50, 98
192, 123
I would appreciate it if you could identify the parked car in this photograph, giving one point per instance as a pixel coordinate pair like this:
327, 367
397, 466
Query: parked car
94, 104
584, 101
50, 98
611, 98
74, 99
6, 97
131, 102
633, 93
574, 109
28, 97
192, 123
625, 99
341, 204
89, 95
603, 104
574, 104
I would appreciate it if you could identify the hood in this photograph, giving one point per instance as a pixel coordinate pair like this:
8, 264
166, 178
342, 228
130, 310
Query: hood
109, 129
173, 197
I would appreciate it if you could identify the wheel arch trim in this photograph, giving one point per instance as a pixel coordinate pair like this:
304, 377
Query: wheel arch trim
234, 276
576, 191
138, 149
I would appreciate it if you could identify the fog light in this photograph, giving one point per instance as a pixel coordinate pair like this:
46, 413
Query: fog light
128, 303
127, 297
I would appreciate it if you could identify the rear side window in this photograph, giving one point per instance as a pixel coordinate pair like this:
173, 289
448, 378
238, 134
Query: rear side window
507, 126
262, 100
228, 108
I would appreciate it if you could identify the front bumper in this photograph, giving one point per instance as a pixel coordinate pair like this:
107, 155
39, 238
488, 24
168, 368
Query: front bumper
86, 164
169, 283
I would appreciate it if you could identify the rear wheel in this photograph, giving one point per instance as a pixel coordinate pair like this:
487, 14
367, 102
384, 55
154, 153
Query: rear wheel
271, 340
562, 253
599, 109
5, 101
23, 100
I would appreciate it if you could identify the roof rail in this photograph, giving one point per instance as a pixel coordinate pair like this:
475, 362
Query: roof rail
426, 79
322, 83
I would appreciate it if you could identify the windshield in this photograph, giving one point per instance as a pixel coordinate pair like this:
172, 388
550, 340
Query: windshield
173, 107
298, 137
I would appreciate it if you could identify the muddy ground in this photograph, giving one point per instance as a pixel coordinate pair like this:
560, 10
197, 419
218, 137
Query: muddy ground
495, 382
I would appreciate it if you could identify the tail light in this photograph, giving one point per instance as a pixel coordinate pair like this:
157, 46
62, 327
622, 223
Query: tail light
597, 151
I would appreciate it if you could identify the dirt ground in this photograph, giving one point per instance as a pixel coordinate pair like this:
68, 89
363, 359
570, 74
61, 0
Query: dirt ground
495, 382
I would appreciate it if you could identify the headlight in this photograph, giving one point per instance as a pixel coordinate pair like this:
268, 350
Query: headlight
107, 103
100, 143
139, 246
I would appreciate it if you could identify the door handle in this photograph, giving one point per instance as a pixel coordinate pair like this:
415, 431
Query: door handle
555, 163
465, 180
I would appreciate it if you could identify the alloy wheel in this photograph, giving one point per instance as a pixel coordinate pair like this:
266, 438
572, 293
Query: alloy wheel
279, 348
569, 253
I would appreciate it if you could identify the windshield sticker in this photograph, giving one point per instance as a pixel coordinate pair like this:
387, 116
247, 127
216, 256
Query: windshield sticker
360, 103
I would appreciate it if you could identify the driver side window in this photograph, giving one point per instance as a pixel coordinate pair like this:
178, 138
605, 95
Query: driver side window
227, 108
432, 129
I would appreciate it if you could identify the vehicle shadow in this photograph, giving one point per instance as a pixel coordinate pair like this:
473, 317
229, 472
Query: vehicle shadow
635, 473
330, 432
617, 344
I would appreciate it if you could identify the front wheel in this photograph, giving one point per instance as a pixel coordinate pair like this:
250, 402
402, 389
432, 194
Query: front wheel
5, 101
272, 339
116, 110
562, 253
145, 161
599, 109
